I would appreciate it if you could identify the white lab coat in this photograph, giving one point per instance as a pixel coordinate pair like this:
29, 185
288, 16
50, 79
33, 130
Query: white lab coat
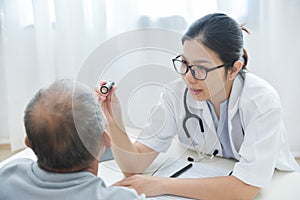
256, 130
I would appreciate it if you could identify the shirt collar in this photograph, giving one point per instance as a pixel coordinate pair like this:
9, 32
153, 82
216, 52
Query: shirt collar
59, 177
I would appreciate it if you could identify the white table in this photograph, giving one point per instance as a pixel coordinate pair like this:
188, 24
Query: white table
284, 185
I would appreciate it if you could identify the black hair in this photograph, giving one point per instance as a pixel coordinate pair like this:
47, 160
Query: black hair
221, 34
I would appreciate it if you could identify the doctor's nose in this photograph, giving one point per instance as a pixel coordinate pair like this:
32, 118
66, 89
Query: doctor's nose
189, 77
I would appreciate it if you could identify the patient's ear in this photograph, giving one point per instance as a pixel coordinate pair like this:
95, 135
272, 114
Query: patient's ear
27, 143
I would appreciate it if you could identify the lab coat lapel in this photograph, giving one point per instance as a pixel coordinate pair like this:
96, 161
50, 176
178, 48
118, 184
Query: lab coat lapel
212, 139
233, 106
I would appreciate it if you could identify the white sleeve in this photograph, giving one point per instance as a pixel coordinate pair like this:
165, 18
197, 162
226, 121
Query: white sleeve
119, 192
161, 128
260, 149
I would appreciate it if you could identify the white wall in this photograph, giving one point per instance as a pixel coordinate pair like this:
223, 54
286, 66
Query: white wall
273, 52
272, 47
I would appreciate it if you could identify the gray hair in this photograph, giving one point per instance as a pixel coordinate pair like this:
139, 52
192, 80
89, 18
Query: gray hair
64, 125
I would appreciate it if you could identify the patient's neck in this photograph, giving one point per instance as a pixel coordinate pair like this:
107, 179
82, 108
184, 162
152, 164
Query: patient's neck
92, 167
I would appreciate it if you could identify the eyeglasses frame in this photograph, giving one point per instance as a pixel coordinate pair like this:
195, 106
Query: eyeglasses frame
189, 67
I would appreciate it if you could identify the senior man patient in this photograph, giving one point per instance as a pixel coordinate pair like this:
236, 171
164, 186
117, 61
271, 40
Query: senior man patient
65, 129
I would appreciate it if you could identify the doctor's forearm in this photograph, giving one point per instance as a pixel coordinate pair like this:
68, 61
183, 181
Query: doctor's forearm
228, 187
130, 160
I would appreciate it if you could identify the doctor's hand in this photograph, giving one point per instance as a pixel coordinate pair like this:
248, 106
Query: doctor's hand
110, 105
144, 184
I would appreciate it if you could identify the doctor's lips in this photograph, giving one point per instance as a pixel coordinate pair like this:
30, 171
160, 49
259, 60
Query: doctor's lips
195, 91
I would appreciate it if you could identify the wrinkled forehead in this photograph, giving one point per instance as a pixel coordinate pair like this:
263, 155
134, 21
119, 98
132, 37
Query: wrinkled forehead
197, 53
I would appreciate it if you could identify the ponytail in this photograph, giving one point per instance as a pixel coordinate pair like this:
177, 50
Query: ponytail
245, 58
245, 54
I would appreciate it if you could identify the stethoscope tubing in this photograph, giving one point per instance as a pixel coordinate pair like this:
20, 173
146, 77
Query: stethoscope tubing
189, 115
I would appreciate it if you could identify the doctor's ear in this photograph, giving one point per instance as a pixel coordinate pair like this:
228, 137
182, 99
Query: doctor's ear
236, 67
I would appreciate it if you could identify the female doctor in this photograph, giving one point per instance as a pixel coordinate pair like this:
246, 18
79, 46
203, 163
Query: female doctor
217, 108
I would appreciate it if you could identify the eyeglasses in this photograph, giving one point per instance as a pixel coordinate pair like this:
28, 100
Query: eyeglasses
198, 72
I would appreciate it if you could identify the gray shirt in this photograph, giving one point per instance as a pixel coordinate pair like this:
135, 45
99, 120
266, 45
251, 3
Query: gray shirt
23, 179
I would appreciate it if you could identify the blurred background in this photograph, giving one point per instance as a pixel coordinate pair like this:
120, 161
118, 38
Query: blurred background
45, 40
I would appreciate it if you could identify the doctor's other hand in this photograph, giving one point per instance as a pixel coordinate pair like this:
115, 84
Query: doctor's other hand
144, 184
110, 105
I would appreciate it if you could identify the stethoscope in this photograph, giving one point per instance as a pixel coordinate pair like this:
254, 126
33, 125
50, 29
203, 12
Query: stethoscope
189, 115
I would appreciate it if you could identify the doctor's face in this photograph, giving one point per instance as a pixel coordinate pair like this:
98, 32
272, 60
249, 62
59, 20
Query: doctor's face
213, 87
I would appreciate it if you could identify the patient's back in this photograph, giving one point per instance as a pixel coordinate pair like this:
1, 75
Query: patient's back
24, 179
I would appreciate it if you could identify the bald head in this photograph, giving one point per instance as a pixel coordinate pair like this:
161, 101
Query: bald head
64, 125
